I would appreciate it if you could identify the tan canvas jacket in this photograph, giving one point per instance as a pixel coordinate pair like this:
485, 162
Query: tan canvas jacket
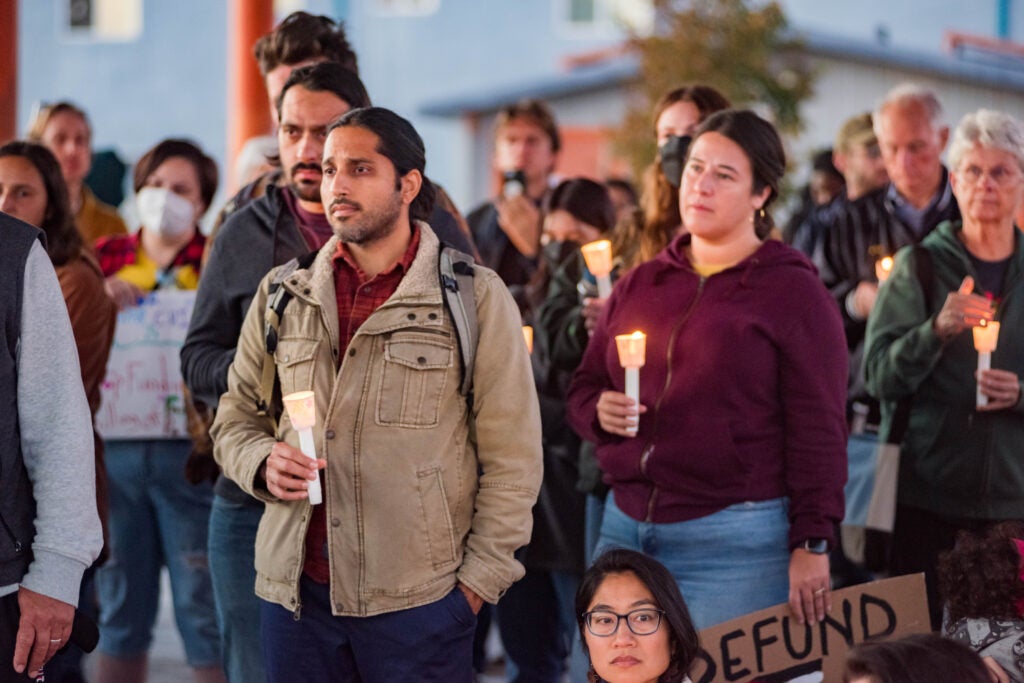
414, 504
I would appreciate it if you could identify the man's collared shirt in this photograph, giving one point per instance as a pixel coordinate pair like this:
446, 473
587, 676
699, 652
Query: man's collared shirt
913, 217
358, 297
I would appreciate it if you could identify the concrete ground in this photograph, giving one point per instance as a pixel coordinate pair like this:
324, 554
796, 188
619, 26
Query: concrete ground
167, 657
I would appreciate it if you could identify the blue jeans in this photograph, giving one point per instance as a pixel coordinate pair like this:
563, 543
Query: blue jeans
232, 550
594, 513
425, 644
727, 564
157, 518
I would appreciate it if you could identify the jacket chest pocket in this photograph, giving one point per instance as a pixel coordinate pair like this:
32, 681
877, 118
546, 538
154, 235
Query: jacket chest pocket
294, 360
412, 382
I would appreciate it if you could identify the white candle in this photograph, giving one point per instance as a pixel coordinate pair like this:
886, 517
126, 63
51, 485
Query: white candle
301, 407
986, 336
632, 355
598, 256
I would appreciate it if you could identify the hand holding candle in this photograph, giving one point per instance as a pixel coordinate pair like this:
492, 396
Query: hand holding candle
598, 256
632, 349
301, 408
986, 336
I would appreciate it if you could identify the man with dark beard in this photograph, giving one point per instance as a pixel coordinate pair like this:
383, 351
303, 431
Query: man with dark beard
426, 492
286, 222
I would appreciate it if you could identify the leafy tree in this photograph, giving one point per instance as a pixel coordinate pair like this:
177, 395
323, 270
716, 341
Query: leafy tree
741, 48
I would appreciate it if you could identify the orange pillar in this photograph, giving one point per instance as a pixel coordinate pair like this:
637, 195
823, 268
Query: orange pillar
8, 69
247, 110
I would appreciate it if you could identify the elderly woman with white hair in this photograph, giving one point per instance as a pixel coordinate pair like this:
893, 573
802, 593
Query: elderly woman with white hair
961, 465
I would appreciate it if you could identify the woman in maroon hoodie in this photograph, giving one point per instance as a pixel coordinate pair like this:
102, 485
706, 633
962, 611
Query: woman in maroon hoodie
730, 471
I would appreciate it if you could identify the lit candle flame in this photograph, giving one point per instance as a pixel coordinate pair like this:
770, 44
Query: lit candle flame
632, 349
598, 256
883, 268
528, 336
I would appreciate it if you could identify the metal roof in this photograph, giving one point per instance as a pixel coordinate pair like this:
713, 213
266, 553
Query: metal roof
994, 71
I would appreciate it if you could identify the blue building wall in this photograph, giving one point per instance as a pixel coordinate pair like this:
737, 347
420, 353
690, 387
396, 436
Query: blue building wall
171, 81
168, 82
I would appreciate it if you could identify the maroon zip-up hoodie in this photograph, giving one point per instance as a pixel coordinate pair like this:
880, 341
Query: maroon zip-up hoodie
745, 385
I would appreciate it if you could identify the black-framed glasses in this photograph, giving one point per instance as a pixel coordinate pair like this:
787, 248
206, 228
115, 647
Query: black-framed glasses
642, 622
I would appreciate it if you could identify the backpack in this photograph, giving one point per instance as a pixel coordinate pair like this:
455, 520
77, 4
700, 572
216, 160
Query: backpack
455, 274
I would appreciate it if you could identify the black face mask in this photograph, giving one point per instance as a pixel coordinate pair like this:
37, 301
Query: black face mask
672, 156
557, 252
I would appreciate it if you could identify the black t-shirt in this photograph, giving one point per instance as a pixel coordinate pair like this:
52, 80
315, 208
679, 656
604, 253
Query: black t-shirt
991, 275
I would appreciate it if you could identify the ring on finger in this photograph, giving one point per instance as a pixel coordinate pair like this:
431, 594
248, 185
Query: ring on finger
820, 591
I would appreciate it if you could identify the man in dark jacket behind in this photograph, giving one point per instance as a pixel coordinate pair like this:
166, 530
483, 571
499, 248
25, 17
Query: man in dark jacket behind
286, 222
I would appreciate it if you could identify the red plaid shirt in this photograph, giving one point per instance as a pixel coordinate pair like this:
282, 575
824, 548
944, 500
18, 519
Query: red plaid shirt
358, 297
117, 251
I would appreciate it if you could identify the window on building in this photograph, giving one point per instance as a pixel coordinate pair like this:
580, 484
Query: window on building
406, 8
597, 17
103, 20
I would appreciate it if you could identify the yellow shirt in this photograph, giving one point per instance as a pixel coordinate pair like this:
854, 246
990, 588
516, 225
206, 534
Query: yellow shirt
145, 273
96, 219
707, 270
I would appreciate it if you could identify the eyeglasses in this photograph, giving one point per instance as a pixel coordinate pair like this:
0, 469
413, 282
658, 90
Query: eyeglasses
1000, 175
642, 622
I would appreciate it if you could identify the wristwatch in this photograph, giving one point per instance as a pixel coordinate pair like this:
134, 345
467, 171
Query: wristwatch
818, 546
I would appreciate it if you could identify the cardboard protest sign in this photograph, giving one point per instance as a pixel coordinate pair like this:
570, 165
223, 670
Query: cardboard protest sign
142, 391
771, 647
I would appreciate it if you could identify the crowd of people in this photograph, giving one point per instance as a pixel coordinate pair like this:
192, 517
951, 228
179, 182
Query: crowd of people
458, 480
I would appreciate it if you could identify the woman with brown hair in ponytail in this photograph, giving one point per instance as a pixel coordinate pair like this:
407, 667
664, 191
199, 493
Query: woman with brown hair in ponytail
729, 468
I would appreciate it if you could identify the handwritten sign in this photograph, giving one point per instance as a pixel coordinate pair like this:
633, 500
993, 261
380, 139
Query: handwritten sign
142, 392
771, 647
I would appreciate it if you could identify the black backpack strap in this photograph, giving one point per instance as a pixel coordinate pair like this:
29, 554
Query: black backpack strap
924, 268
277, 300
455, 271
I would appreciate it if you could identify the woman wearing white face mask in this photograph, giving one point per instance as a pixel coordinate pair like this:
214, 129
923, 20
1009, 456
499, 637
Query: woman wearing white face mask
157, 518
174, 185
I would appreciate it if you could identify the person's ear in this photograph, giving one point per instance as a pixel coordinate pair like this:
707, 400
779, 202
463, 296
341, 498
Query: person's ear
759, 199
410, 186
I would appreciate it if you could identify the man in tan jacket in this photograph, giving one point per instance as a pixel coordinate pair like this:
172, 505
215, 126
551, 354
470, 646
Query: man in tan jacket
427, 495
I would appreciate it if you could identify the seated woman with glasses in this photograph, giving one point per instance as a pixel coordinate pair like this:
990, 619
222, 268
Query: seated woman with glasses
628, 586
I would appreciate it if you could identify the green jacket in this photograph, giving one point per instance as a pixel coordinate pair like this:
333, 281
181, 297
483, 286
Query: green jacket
414, 502
956, 461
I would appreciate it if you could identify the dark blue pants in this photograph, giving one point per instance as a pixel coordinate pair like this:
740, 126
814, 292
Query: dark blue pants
232, 543
429, 643
536, 622
10, 616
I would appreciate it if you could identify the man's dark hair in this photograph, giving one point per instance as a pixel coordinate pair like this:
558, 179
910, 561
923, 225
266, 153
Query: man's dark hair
206, 168
401, 144
534, 111
301, 37
63, 241
684, 643
329, 77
